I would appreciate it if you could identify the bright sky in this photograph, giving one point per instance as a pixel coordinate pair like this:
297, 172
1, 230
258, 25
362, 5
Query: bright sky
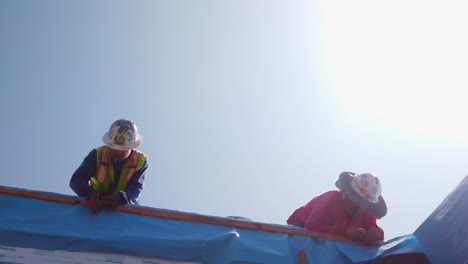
246, 108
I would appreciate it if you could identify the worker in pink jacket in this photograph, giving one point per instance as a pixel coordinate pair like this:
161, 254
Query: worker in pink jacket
351, 211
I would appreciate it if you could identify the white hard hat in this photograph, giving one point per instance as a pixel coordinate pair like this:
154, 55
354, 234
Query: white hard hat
122, 135
365, 191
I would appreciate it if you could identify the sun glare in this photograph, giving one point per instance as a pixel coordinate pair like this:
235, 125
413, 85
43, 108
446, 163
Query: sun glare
400, 62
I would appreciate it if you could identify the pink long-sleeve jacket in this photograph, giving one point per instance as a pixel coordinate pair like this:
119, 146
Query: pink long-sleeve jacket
325, 214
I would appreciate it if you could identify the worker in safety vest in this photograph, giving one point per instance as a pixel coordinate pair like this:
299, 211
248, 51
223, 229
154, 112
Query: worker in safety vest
113, 174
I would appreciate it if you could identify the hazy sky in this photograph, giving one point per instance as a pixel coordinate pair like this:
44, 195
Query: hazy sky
246, 108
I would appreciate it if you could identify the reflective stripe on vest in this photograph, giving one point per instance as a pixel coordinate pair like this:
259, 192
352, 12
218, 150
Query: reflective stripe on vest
105, 170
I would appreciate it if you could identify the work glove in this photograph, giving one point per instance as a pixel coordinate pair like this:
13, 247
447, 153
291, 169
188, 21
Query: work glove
94, 201
110, 201
356, 234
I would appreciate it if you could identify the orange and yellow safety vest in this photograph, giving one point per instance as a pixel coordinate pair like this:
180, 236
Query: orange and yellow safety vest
105, 171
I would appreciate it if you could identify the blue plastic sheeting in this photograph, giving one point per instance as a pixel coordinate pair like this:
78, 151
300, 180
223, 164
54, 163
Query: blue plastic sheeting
444, 234
41, 224
398, 245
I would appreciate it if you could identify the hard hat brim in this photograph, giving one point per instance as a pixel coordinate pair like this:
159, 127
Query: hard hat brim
108, 142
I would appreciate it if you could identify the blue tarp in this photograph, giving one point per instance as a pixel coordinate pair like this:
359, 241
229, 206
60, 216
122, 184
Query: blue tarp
42, 224
444, 234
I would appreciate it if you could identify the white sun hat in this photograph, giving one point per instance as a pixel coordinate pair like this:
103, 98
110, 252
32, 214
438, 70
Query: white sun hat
364, 190
122, 135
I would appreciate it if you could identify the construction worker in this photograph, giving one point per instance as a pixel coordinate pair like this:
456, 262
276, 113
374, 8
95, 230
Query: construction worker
113, 174
350, 211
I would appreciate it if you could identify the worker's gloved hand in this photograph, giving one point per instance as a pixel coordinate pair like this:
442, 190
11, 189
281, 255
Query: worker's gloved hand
356, 234
94, 201
373, 234
110, 201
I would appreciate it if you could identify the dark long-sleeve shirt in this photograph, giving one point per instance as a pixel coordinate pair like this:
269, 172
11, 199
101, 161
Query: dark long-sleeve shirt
79, 181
